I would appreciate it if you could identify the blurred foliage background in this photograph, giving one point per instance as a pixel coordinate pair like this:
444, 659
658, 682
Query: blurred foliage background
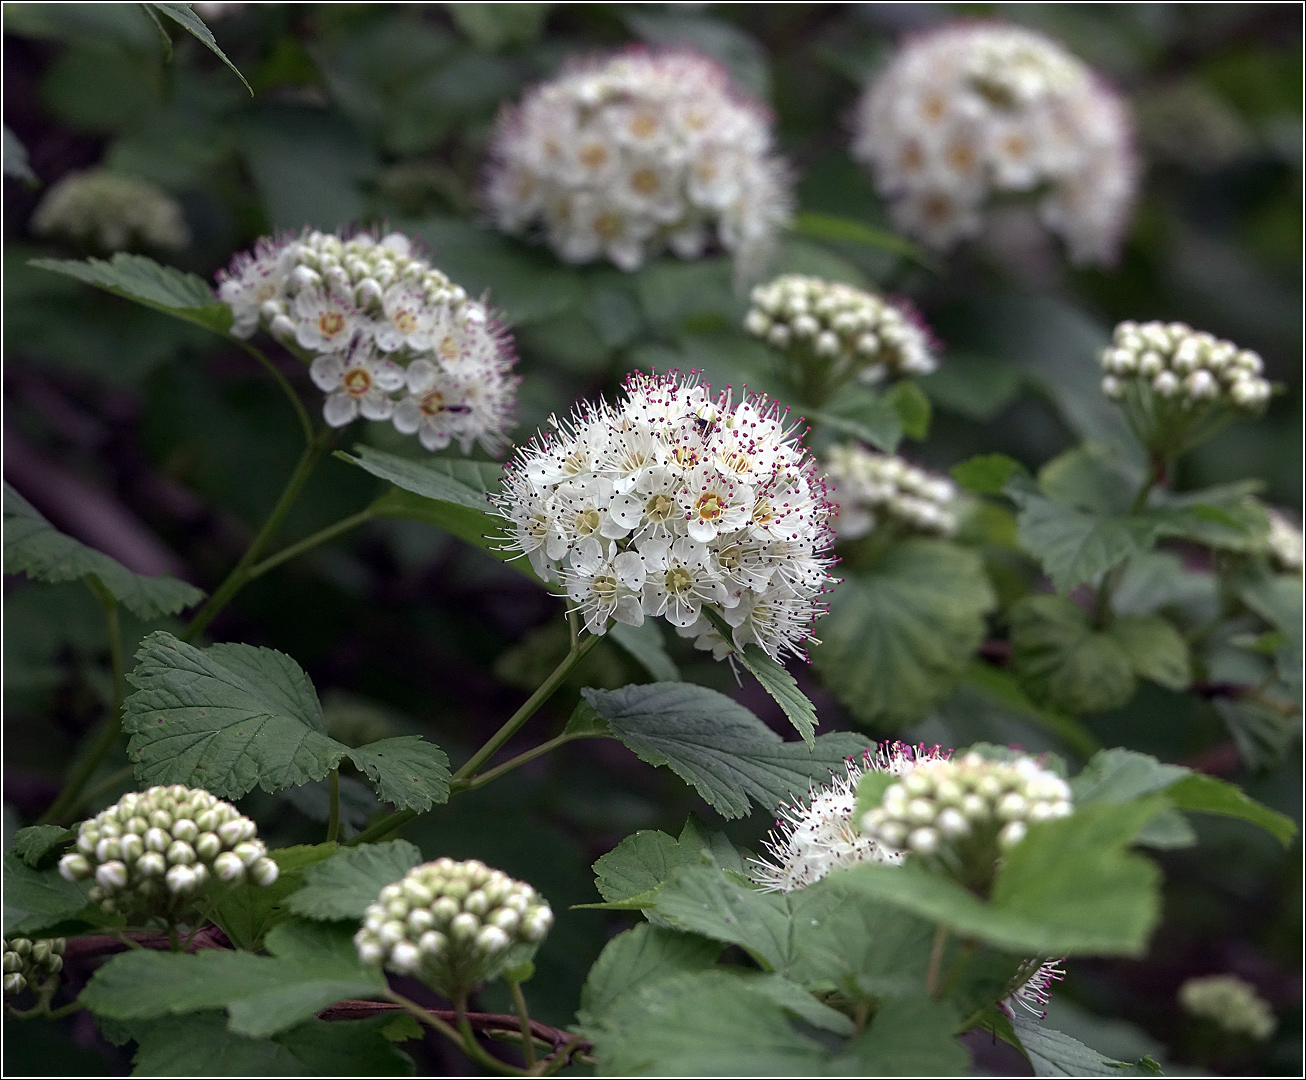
165, 447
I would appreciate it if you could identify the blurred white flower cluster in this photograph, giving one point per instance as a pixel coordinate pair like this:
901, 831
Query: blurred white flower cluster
451, 924
670, 500
965, 811
28, 962
111, 212
1183, 365
153, 849
1230, 1002
1285, 543
818, 834
625, 155
874, 490
390, 336
847, 331
976, 110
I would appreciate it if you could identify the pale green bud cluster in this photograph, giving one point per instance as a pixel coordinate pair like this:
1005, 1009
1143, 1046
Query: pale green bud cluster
28, 962
111, 212
855, 331
966, 811
452, 924
873, 490
1184, 366
1285, 543
1231, 1002
153, 849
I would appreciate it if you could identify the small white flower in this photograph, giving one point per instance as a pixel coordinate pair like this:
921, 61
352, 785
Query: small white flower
680, 579
360, 382
604, 584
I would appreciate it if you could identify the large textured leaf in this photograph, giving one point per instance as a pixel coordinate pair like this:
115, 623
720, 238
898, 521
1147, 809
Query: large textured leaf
910, 1036
1156, 650
1119, 775
406, 770
705, 901
343, 886
717, 745
35, 899
1054, 1054
1062, 662
1212, 796
636, 958
900, 634
444, 479
34, 843
182, 14
1077, 546
246, 912
36, 548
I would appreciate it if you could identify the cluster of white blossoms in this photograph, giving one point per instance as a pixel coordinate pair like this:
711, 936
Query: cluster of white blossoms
110, 212
671, 500
154, 849
979, 110
818, 834
390, 336
28, 962
451, 924
1284, 543
1181, 366
1230, 1002
974, 803
878, 490
625, 155
847, 332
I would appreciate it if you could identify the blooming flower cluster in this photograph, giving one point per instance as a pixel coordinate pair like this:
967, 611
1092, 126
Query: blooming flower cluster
1230, 1002
154, 849
966, 810
671, 500
818, 834
390, 336
111, 212
846, 331
28, 962
974, 111
1285, 543
877, 490
1034, 986
622, 156
451, 924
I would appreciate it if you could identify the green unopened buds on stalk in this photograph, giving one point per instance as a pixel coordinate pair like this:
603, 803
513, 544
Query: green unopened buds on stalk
153, 850
28, 962
454, 925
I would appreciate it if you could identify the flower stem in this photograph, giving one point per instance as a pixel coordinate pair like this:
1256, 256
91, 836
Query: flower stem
475, 1050
481, 779
524, 1015
333, 813
301, 414
308, 543
240, 573
70, 798
936, 960
426, 1018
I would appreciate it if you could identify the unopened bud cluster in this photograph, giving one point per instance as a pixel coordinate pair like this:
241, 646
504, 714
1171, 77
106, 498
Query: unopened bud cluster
1230, 1002
452, 924
1182, 366
28, 962
111, 212
878, 490
155, 848
967, 811
850, 332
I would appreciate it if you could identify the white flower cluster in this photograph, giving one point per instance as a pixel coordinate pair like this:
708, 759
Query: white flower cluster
819, 834
391, 337
973, 802
451, 924
1231, 1002
1034, 986
670, 500
847, 331
977, 110
1285, 543
153, 849
625, 155
875, 490
111, 212
31, 962
1182, 366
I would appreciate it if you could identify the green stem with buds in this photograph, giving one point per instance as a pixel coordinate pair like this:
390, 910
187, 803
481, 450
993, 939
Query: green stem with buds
333, 811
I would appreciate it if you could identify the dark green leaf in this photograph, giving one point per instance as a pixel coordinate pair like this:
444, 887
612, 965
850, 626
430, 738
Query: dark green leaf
992, 688
432, 478
1119, 775
182, 14
1207, 794
36, 548
1264, 736
407, 771
912, 406
829, 227
703, 900
860, 412
345, 885
910, 1036
900, 633
1054, 1054
645, 644
1156, 650
35, 842
246, 912
35, 899
1062, 662
986, 474
347, 1047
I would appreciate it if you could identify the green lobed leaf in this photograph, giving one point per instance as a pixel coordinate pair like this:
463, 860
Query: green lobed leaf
1062, 662
1119, 775
912, 406
406, 770
717, 745
1055, 1054
645, 644
986, 474
910, 1036
35, 899
900, 633
36, 548
444, 479
1210, 795
193, 24
703, 900
343, 886
246, 912
35, 842
1156, 650
862, 413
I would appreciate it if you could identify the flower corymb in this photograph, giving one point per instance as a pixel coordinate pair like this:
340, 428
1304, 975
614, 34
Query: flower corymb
974, 111
389, 336
884, 492
671, 500
624, 156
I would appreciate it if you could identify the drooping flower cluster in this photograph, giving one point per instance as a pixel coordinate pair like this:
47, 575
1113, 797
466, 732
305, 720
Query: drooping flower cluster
390, 337
625, 155
974, 111
1285, 543
452, 924
875, 491
818, 834
155, 850
31, 963
841, 331
1230, 1002
1172, 381
111, 212
671, 500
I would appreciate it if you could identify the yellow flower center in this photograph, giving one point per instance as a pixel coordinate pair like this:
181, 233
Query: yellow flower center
679, 580
709, 506
358, 381
330, 323
433, 403
646, 182
659, 508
